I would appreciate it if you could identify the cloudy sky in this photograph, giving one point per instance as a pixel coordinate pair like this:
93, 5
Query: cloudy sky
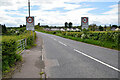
57, 12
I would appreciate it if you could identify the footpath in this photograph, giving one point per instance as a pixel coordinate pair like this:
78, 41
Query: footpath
32, 62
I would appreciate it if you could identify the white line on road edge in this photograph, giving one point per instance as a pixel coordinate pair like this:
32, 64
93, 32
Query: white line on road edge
42, 57
54, 39
97, 60
62, 43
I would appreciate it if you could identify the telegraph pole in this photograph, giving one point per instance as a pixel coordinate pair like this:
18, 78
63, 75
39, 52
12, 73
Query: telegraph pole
29, 7
29, 16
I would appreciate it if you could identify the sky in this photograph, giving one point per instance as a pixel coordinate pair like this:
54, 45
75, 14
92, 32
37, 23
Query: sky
56, 12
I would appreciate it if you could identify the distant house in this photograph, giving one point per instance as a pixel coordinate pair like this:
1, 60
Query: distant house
61, 29
68, 29
113, 27
117, 29
77, 29
54, 29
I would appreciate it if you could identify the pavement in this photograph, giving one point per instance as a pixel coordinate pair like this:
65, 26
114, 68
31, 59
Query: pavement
33, 63
65, 58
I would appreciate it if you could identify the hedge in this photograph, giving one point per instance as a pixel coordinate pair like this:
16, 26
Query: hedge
9, 49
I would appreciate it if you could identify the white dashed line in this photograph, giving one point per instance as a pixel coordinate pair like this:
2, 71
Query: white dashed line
62, 43
51, 37
54, 39
97, 60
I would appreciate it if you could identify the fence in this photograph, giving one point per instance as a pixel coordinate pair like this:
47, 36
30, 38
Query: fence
21, 45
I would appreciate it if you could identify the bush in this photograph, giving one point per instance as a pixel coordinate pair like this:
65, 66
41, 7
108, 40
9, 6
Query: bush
9, 49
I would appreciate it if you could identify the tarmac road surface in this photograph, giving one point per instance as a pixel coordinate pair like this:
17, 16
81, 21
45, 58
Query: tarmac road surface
65, 58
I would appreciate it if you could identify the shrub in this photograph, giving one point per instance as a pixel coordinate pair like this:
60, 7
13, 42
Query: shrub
9, 49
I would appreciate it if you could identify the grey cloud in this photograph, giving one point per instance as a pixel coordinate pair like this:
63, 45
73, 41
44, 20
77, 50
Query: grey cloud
5, 3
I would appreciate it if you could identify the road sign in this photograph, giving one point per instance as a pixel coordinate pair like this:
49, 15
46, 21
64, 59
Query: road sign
29, 19
30, 23
84, 22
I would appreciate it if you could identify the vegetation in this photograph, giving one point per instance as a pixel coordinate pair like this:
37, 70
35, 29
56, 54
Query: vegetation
109, 39
9, 46
68, 25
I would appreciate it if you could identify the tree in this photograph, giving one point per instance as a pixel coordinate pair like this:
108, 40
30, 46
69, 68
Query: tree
66, 24
105, 27
92, 27
4, 30
70, 25
79, 27
115, 26
100, 28
38, 24
24, 25
119, 27
110, 26
21, 26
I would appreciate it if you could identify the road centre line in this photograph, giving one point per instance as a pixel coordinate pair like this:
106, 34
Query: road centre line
62, 43
97, 60
54, 39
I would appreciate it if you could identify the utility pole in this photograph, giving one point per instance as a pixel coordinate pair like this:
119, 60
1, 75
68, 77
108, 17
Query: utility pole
29, 16
29, 7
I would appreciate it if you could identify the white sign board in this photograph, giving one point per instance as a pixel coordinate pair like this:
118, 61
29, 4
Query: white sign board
84, 22
30, 23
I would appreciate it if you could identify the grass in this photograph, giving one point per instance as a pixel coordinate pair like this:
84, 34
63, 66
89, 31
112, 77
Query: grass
29, 47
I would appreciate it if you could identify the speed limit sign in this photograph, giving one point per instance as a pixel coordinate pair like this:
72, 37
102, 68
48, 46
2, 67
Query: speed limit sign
84, 22
30, 23
29, 19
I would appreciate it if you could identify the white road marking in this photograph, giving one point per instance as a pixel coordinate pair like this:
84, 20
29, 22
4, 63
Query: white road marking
51, 37
97, 60
42, 57
54, 39
62, 43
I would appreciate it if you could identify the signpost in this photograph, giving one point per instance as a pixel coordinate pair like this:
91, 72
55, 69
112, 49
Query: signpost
84, 22
30, 21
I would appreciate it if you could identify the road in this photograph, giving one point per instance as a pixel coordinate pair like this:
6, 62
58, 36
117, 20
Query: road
65, 58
